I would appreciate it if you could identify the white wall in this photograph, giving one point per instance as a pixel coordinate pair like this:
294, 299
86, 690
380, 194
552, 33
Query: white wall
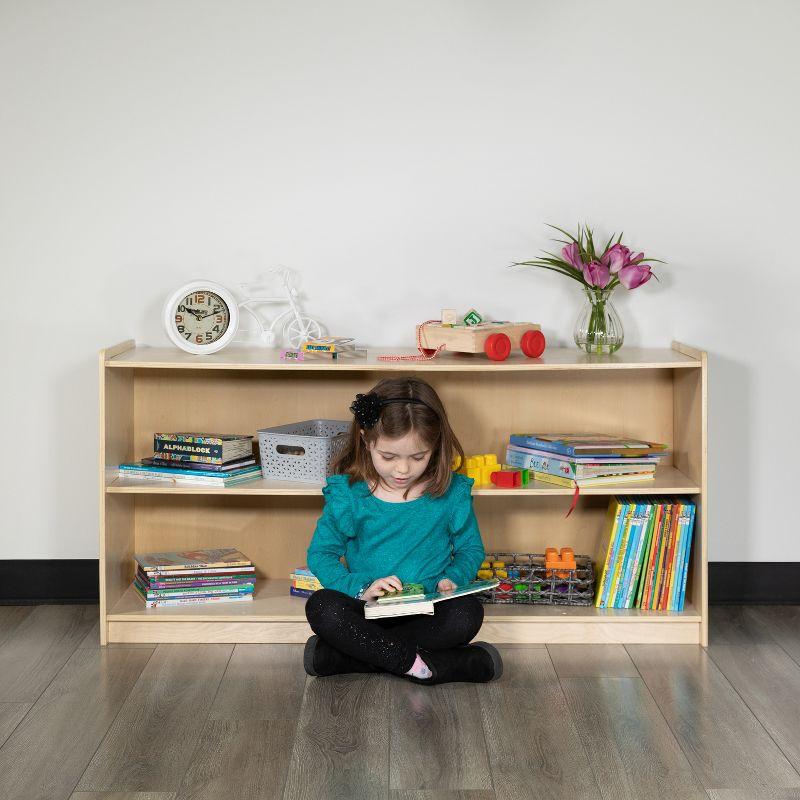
143, 144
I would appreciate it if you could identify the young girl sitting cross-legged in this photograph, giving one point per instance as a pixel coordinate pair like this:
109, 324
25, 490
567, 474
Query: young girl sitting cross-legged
399, 515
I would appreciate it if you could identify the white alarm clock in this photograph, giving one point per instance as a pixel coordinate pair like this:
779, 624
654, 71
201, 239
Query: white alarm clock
201, 317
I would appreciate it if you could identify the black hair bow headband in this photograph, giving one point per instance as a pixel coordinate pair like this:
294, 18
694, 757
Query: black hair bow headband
367, 407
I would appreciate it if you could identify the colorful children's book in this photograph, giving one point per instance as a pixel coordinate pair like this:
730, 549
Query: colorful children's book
193, 559
410, 591
687, 553
600, 480
583, 444
425, 604
615, 511
566, 467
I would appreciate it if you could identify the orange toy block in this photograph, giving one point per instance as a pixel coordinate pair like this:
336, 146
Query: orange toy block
559, 565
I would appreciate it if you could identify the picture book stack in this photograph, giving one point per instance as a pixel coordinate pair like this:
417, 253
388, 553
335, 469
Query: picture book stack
588, 459
197, 459
303, 582
194, 577
646, 550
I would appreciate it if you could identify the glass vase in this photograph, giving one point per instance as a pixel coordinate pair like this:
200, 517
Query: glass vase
598, 328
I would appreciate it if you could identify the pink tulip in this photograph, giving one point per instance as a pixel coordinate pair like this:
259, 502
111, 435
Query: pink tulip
635, 274
572, 255
617, 257
595, 273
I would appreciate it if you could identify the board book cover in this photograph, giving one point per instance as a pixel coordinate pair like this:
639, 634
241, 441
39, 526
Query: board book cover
193, 559
584, 444
425, 604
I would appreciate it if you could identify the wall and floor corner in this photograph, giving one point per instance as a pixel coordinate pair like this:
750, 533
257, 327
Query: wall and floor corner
417, 149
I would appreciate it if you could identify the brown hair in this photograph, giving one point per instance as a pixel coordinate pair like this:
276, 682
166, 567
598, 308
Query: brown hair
427, 419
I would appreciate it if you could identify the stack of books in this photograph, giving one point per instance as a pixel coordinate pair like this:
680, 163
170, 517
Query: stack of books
303, 582
192, 577
197, 459
589, 459
645, 562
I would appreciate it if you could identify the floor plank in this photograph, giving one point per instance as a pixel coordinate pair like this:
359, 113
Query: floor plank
10, 716
341, 748
262, 682
630, 747
725, 744
242, 759
47, 752
38, 647
123, 796
764, 794
595, 661
783, 625
436, 738
441, 794
735, 625
768, 680
149, 746
10, 619
534, 748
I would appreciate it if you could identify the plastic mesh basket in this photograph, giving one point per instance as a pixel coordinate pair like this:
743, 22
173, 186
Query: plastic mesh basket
302, 451
524, 579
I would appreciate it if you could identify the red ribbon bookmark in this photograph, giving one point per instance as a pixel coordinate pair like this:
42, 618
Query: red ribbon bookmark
574, 501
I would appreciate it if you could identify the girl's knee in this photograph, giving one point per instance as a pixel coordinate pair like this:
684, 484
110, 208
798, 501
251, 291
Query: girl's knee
318, 604
464, 617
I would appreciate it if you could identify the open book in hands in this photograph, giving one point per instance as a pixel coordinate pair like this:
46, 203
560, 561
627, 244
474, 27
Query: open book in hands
385, 607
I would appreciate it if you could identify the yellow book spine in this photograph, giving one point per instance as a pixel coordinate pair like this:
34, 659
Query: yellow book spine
545, 477
612, 520
620, 559
306, 583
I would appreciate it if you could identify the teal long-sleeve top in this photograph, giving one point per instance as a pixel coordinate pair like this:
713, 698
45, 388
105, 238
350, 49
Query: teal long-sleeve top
420, 541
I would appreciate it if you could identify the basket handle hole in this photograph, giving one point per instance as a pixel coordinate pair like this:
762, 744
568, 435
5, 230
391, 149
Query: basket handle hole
290, 450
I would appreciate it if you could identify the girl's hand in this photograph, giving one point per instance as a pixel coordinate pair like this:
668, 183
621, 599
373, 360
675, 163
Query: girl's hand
381, 586
445, 585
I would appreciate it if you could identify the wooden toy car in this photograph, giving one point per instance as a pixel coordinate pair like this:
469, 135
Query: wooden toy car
496, 339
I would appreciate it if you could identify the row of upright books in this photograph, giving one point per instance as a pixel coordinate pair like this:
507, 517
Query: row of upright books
194, 577
577, 460
647, 548
197, 459
303, 582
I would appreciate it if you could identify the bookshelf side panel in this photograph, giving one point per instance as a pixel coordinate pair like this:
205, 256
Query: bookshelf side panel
116, 518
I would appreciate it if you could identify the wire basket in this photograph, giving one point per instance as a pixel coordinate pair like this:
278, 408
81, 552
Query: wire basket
524, 579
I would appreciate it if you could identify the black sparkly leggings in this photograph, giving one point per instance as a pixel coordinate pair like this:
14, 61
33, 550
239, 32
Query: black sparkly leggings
391, 643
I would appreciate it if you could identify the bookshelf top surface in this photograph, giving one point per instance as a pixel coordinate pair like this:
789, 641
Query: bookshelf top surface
268, 359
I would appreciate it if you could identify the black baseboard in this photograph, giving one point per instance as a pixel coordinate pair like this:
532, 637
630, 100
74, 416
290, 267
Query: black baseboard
754, 582
45, 580
24, 582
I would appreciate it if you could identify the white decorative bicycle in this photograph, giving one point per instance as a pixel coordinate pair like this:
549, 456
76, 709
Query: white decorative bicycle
297, 327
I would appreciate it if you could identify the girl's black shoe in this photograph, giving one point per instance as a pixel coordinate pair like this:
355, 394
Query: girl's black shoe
478, 662
321, 659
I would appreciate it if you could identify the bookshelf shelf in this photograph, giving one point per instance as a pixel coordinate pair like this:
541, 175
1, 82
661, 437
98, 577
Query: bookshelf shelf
272, 605
668, 480
658, 394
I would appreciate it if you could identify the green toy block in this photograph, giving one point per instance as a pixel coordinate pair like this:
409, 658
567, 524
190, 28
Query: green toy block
472, 317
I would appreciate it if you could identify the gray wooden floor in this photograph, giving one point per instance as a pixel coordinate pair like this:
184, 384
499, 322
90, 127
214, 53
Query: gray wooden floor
169, 722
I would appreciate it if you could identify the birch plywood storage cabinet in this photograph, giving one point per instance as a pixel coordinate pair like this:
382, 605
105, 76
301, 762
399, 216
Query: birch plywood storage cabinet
656, 394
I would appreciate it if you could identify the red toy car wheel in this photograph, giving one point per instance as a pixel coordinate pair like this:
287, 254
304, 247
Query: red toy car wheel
532, 343
497, 347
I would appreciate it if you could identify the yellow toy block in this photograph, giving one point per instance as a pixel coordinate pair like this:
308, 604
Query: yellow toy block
480, 468
486, 473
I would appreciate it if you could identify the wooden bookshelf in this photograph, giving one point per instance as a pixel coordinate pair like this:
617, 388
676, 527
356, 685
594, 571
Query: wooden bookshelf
657, 394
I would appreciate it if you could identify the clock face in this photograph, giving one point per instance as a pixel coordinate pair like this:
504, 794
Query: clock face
201, 317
